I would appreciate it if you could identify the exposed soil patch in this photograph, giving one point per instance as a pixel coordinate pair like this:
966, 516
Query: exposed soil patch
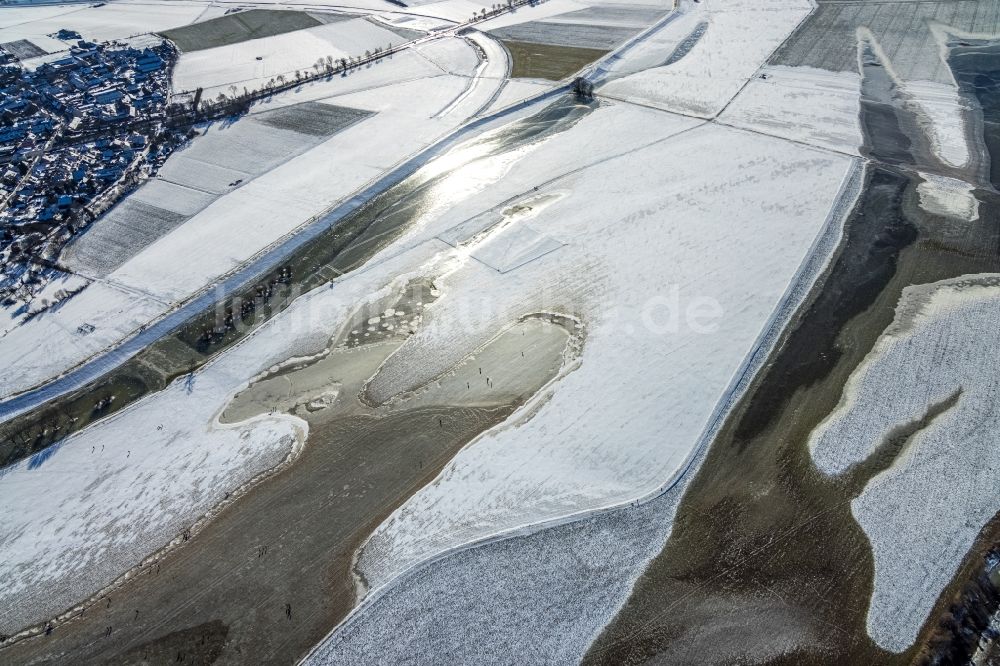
238, 27
547, 61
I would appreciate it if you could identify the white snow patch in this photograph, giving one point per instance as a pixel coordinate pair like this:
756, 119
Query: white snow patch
217, 68
924, 512
740, 37
948, 197
805, 104
945, 115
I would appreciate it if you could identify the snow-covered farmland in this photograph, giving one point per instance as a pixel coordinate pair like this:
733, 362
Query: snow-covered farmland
406, 119
923, 513
814, 106
84, 324
739, 38
223, 158
251, 64
121, 491
584, 35
535, 599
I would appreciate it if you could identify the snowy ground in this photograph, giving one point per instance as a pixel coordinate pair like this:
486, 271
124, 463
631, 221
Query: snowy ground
223, 158
251, 64
947, 116
537, 599
674, 255
739, 38
408, 115
405, 120
85, 324
517, 91
81, 513
584, 35
814, 106
923, 513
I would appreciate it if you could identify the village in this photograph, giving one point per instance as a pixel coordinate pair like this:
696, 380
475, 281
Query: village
76, 133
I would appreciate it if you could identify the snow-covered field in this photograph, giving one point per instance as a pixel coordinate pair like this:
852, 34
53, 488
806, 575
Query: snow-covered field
251, 64
224, 157
540, 597
83, 512
405, 120
814, 106
517, 91
536, 599
740, 36
85, 324
923, 513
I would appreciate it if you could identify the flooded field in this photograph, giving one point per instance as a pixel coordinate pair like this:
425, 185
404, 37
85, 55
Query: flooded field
271, 574
765, 562
339, 250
